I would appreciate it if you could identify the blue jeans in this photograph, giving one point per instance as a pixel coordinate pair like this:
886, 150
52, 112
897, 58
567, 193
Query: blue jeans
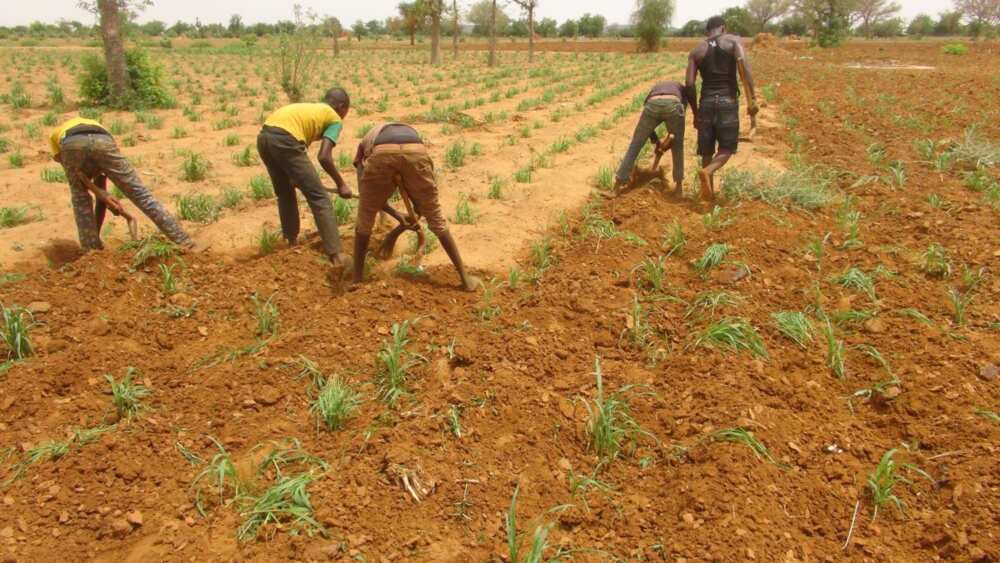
656, 112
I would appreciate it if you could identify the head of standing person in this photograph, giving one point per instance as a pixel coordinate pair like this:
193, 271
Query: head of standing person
339, 100
715, 26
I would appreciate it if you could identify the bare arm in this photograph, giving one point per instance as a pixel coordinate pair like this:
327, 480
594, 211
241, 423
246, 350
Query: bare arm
743, 65
326, 161
690, 84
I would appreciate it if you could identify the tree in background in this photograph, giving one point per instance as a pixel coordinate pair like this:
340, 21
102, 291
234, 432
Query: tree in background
763, 12
547, 28
481, 17
333, 28
112, 15
794, 25
455, 29
870, 14
529, 8
651, 19
493, 34
828, 20
981, 14
569, 28
435, 10
591, 25
235, 28
412, 16
921, 26
739, 21
359, 30
949, 24
693, 28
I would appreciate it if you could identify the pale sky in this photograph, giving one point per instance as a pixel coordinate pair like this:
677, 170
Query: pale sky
22, 12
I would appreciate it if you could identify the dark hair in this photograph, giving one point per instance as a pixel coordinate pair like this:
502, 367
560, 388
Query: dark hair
713, 23
337, 97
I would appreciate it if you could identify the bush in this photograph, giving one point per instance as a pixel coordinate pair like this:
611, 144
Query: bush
146, 86
955, 49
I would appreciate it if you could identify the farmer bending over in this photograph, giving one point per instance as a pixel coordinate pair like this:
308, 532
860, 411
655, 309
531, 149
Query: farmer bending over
282, 145
717, 117
89, 155
393, 155
666, 103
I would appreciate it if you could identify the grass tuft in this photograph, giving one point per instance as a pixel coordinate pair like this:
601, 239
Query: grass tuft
735, 334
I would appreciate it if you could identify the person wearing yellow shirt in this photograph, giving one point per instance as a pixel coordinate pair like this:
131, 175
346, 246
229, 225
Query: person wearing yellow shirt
282, 145
88, 153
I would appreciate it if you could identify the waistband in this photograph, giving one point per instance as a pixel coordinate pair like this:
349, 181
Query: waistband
409, 147
664, 97
80, 131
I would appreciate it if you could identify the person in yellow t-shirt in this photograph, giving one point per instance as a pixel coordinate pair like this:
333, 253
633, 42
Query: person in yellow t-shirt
87, 152
282, 145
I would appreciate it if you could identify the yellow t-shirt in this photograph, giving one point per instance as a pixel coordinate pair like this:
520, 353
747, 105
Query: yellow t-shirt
307, 122
60, 132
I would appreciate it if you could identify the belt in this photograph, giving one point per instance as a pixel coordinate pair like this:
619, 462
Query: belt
665, 97
408, 147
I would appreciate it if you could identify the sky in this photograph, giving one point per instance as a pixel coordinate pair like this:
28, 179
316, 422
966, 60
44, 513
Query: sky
23, 12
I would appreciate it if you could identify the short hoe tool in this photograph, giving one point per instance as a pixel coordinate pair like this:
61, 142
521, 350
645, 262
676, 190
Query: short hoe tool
113, 204
642, 176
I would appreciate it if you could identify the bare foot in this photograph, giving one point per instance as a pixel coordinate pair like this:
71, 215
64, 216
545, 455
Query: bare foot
340, 260
707, 193
471, 283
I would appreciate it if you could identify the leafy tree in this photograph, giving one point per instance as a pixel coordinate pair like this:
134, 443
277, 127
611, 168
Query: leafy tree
112, 14
739, 21
693, 28
413, 16
871, 13
569, 28
949, 24
921, 26
829, 20
763, 12
151, 28
296, 57
375, 28
892, 27
481, 17
333, 28
235, 25
981, 14
359, 30
433, 10
145, 79
651, 19
591, 25
547, 28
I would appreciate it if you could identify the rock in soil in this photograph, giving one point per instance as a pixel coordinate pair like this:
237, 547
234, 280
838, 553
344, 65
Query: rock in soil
37, 307
268, 395
989, 372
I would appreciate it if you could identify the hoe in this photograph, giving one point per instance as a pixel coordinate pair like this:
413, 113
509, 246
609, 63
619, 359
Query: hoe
642, 176
411, 223
113, 204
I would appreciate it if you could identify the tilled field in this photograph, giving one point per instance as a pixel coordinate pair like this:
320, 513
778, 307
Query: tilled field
766, 452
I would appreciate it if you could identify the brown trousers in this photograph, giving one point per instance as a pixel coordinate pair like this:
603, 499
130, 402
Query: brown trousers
413, 165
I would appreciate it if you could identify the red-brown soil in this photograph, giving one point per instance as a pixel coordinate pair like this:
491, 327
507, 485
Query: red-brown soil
521, 378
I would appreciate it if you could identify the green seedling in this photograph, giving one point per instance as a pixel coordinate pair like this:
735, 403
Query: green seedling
194, 168
959, 303
741, 436
127, 395
17, 324
267, 241
464, 215
675, 240
835, 353
883, 481
246, 157
732, 333
796, 326
610, 423
168, 282
200, 208
711, 301
394, 364
936, 262
267, 315
15, 216
261, 188
652, 273
335, 404
713, 257
857, 280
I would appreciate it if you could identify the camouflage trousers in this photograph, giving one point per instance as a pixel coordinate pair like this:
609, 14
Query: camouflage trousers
98, 155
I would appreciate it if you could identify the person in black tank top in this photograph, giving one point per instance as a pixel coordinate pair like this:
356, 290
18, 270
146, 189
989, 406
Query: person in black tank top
721, 62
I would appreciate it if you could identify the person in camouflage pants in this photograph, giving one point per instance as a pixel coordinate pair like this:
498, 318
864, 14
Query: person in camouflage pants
95, 155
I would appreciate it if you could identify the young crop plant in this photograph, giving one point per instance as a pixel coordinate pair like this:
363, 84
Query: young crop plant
959, 304
246, 157
127, 395
267, 315
221, 475
394, 363
741, 436
835, 352
897, 173
711, 301
489, 310
231, 140
194, 168
15, 159
713, 221
54, 175
652, 273
637, 326
464, 215
883, 481
335, 404
17, 323
855, 279
605, 178
795, 326
199, 208
936, 262
344, 161
168, 281
496, 188
344, 210
610, 423
15, 216
539, 538
713, 257
675, 241
150, 247
231, 197
735, 334
455, 155
261, 188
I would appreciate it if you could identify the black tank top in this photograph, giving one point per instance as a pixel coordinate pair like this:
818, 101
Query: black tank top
718, 71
